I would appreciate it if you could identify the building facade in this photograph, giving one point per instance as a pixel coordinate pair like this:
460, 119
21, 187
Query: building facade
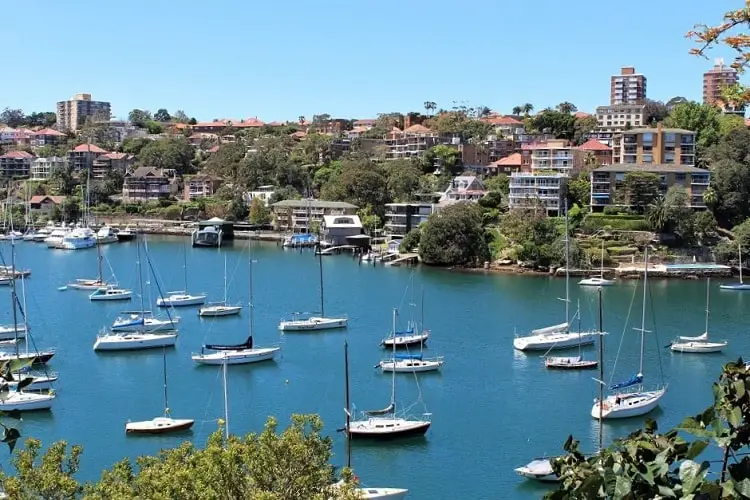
201, 186
715, 81
44, 205
400, 218
300, 216
109, 162
335, 229
42, 168
262, 192
15, 164
645, 146
72, 114
600, 151
616, 118
464, 188
82, 157
411, 143
608, 183
47, 137
149, 184
627, 88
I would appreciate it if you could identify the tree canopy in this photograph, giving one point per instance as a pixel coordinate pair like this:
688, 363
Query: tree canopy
454, 236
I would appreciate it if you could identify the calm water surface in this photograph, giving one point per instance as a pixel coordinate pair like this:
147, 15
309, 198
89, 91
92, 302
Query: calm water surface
492, 408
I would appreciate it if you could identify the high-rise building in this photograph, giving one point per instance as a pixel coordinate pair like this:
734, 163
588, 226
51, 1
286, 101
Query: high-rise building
715, 81
72, 114
628, 87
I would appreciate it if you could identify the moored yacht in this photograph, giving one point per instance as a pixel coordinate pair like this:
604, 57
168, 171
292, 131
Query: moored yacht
79, 238
144, 321
55, 238
129, 341
126, 234
106, 234
111, 292
180, 299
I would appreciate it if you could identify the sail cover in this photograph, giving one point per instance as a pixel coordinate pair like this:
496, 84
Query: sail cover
409, 356
385, 411
635, 379
551, 329
248, 344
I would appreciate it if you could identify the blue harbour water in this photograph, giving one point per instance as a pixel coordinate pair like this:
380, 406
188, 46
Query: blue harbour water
492, 408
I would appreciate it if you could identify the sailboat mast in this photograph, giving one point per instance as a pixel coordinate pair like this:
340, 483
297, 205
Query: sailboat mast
225, 279
99, 257
601, 367
184, 265
164, 367
421, 319
13, 293
739, 254
708, 297
348, 406
393, 372
226, 397
567, 271
601, 271
320, 266
643, 309
252, 298
140, 274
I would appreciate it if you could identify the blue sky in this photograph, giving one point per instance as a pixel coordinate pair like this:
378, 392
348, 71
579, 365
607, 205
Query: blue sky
279, 60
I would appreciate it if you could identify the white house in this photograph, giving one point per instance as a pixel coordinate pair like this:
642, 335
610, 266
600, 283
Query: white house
262, 192
464, 188
337, 228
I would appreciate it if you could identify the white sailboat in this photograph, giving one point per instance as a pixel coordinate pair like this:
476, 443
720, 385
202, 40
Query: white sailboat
111, 292
237, 354
699, 344
412, 336
88, 283
181, 298
164, 424
636, 401
741, 285
571, 362
386, 423
598, 281
141, 338
557, 336
222, 308
136, 321
410, 363
313, 322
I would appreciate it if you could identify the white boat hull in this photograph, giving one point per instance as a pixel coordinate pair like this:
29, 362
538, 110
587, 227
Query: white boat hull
239, 357
698, 347
150, 325
84, 284
736, 286
596, 282
40, 382
313, 323
214, 311
112, 295
405, 340
411, 366
27, 401
181, 300
135, 341
159, 425
632, 404
539, 470
554, 341
382, 493
387, 428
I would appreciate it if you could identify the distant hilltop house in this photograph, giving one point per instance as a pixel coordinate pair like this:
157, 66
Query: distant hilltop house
299, 216
149, 184
464, 188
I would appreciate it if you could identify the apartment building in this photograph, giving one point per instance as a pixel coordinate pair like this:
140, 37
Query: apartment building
108, 162
556, 155
82, 157
47, 137
464, 188
15, 164
607, 183
201, 186
42, 168
413, 142
600, 151
299, 216
715, 81
627, 88
216, 126
616, 118
72, 114
670, 146
149, 184
400, 218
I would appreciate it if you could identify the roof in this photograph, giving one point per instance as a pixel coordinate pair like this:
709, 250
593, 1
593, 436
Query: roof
83, 148
594, 145
313, 204
145, 172
646, 130
502, 120
650, 167
417, 129
513, 160
18, 155
214, 149
342, 221
581, 114
49, 131
41, 198
116, 156
365, 121
275, 124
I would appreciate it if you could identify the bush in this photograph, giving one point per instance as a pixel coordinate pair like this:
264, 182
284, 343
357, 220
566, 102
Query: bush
454, 236
410, 241
612, 210
595, 222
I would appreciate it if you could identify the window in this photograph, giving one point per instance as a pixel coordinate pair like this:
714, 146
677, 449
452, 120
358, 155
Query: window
679, 177
648, 137
669, 138
648, 158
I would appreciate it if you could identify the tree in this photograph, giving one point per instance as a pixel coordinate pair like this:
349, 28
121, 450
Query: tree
361, 183
527, 108
134, 145
139, 117
403, 179
730, 182
162, 115
50, 477
517, 110
411, 240
679, 215
154, 127
180, 117
370, 220
704, 224
533, 234
675, 101
703, 119
174, 152
656, 215
442, 157
192, 121
259, 213
641, 189
500, 182
284, 193
582, 127
655, 111
12, 117
454, 236
41, 119
579, 191
429, 107
562, 125
566, 107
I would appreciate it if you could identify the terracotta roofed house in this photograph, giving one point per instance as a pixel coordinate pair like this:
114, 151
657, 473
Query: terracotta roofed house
14, 164
149, 184
109, 162
600, 151
201, 186
507, 165
42, 206
84, 155
46, 136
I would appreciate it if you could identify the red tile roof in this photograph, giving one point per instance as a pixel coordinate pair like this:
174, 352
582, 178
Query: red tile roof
275, 124
594, 145
17, 155
502, 120
416, 129
83, 148
49, 131
116, 156
581, 114
513, 160
40, 198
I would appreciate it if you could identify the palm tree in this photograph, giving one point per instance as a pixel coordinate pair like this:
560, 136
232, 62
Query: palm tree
429, 106
301, 119
656, 216
709, 197
517, 110
527, 108
566, 108
482, 111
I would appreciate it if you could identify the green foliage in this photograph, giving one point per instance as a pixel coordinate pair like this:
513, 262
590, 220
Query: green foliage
361, 183
403, 179
729, 195
443, 157
411, 240
500, 183
284, 193
598, 221
562, 125
656, 111
678, 214
134, 145
704, 224
579, 191
162, 115
369, 219
154, 127
703, 119
175, 153
259, 212
454, 236
742, 234
641, 189
534, 235
139, 117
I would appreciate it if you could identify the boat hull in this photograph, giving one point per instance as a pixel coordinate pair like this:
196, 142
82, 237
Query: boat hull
313, 324
596, 282
39, 382
161, 425
125, 236
414, 367
631, 405
382, 493
149, 325
193, 300
560, 364
736, 286
24, 401
388, 429
405, 341
37, 358
111, 296
698, 347
538, 470
554, 341
240, 357
133, 342
219, 311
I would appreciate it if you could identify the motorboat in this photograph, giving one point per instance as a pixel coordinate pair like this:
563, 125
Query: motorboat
41, 234
129, 341
55, 238
539, 469
26, 401
410, 363
138, 321
300, 240
29, 235
180, 299
209, 236
12, 236
111, 292
570, 363
78, 239
313, 323
221, 309
106, 234
126, 234
159, 425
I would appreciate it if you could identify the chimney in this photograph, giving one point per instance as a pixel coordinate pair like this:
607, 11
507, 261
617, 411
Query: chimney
659, 145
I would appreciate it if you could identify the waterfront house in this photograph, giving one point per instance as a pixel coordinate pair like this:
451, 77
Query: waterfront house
42, 168
82, 157
261, 192
149, 184
400, 218
464, 188
300, 216
335, 229
15, 164
44, 205
201, 186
